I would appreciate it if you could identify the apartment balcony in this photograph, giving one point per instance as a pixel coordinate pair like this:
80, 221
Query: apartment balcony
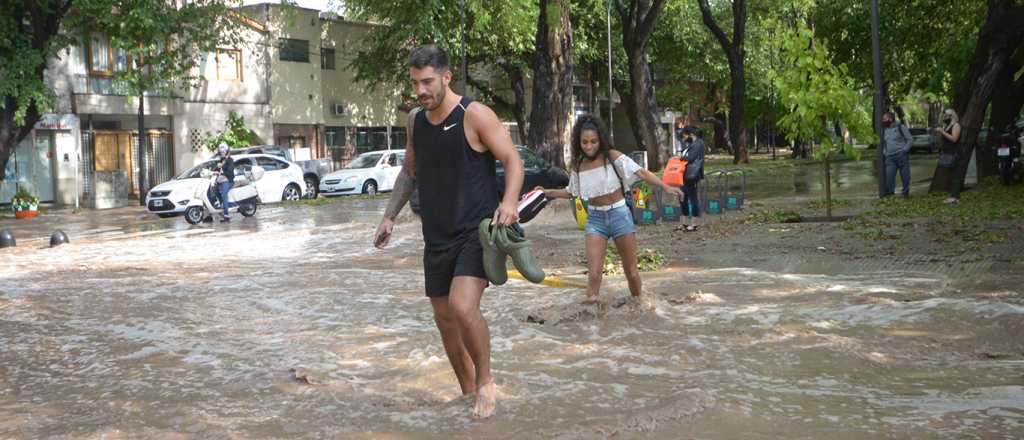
102, 95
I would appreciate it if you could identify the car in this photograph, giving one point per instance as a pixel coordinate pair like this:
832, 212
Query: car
312, 170
368, 173
921, 139
282, 180
537, 172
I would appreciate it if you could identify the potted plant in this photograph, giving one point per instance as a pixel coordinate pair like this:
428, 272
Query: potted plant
25, 205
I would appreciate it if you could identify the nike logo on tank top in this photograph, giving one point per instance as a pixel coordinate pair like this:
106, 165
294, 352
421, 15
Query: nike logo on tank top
456, 184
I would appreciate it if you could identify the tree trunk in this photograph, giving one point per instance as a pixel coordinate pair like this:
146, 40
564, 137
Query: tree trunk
141, 151
515, 78
638, 22
41, 21
735, 54
11, 133
1006, 106
551, 115
998, 38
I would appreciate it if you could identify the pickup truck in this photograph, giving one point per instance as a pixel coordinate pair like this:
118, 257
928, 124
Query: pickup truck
312, 170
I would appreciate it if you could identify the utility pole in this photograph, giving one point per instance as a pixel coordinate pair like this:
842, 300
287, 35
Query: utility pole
876, 52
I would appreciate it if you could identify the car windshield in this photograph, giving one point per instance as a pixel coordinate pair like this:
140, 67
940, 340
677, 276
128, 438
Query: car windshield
194, 172
367, 161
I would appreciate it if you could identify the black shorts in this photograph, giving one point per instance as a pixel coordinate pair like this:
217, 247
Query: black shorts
465, 258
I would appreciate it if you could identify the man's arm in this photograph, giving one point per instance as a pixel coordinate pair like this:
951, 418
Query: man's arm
495, 138
405, 184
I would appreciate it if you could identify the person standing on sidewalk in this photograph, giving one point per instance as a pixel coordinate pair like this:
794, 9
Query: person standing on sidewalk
449, 157
693, 154
949, 150
897, 154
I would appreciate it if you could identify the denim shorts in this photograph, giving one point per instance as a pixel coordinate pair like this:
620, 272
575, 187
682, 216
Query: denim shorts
612, 223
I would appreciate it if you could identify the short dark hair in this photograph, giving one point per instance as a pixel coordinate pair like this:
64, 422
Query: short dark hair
429, 55
889, 114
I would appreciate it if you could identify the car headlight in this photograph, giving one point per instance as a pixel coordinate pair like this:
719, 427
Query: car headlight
351, 179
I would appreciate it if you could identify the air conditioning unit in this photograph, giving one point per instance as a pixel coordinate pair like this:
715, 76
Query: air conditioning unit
338, 109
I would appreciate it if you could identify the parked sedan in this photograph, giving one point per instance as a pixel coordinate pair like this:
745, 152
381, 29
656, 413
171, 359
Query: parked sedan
368, 173
537, 172
282, 180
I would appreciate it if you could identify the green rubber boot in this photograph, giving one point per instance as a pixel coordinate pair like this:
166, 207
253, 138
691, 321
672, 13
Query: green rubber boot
494, 259
512, 241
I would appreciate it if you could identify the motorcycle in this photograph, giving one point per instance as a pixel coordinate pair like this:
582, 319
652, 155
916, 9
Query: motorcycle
242, 197
1008, 150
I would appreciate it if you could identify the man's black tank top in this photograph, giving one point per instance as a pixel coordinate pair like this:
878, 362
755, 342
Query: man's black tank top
456, 184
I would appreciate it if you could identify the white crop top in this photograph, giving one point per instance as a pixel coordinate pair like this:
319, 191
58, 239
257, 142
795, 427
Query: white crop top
600, 181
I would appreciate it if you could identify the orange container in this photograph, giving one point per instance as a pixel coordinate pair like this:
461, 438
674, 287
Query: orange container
25, 214
674, 172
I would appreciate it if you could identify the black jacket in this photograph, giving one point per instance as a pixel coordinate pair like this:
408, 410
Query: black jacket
227, 168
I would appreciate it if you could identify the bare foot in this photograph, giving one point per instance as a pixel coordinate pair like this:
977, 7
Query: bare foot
486, 401
589, 300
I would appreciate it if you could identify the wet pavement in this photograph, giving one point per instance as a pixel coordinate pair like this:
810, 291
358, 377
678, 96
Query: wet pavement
288, 325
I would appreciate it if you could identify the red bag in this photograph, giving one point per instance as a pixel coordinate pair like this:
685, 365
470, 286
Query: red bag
674, 172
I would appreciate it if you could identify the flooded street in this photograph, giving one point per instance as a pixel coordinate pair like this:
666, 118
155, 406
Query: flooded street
290, 325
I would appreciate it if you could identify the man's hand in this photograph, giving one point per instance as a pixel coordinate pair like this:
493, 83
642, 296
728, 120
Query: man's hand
674, 191
506, 214
383, 235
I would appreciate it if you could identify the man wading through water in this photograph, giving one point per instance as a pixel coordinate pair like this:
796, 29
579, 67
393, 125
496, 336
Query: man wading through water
450, 157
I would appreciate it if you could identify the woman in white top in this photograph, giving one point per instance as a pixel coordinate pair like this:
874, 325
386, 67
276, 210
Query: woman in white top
600, 175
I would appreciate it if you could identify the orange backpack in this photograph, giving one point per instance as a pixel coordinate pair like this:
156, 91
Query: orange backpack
674, 172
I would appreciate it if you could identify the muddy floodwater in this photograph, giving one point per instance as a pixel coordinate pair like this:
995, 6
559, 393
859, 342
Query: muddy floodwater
289, 325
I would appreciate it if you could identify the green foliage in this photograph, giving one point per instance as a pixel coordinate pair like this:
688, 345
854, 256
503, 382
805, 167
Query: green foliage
814, 93
772, 215
23, 199
235, 134
989, 201
815, 205
648, 260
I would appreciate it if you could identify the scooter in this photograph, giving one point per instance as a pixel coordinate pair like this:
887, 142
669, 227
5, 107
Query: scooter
242, 197
1008, 152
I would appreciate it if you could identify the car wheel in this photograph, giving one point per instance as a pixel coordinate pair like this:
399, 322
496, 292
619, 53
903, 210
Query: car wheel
166, 215
291, 193
247, 209
194, 215
312, 187
370, 188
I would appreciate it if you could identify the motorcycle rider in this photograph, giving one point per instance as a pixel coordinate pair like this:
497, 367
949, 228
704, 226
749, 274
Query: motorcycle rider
225, 178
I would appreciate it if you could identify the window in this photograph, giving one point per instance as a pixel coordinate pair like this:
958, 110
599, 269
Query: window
334, 137
327, 58
103, 60
397, 138
229, 64
243, 165
269, 164
393, 160
531, 161
294, 50
371, 139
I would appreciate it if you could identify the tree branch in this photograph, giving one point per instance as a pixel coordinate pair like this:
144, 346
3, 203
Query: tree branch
709, 21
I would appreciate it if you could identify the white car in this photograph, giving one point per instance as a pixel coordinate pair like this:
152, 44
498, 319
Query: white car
282, 180
368, 173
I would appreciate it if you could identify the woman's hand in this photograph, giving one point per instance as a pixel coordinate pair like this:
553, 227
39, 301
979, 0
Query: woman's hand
673, 190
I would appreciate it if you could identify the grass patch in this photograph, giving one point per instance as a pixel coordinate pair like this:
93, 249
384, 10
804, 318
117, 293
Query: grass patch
988, 201
648, 260
772, 216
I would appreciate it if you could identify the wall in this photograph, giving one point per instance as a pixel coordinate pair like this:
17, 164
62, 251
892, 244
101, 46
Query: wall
362, 109
199, 118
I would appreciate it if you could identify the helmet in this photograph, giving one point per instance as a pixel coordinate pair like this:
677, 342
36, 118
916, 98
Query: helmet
223, 149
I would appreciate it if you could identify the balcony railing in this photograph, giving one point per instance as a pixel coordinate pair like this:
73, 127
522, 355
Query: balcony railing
84, 84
